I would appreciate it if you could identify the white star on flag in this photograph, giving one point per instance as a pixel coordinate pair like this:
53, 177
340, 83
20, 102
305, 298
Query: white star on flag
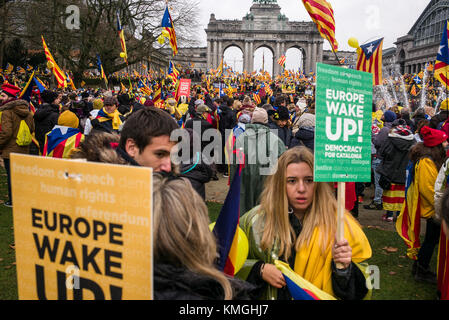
370, 48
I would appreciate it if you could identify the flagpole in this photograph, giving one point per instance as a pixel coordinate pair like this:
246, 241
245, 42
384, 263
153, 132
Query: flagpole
333, 50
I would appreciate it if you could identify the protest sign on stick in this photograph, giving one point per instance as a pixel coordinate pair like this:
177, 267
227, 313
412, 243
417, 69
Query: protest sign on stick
343, 130
82, 230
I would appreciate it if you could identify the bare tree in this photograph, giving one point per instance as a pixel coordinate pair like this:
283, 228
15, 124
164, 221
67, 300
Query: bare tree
96, 33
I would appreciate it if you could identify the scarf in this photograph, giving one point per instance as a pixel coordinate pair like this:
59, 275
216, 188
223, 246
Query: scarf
103, 116
315, 267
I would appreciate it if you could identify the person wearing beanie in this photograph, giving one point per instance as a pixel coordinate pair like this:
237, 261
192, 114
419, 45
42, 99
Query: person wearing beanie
46, 116
64, 138
13, 111
378, 140
98, 104
441, 120
432, 137
389, 116
108, 119
260, 116
257, 137
427, 158
305, 136
68, 119
280, 126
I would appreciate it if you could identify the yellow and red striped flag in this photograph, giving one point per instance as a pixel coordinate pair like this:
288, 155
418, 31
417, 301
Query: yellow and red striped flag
322, 14
282, 60
370, 60
59, 75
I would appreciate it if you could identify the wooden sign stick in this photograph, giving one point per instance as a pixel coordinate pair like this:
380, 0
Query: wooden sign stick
341, 207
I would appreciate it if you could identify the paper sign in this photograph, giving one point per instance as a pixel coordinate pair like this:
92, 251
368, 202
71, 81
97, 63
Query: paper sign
82, 230
343, 125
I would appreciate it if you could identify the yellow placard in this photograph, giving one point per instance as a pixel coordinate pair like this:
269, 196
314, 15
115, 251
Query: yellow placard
82, 230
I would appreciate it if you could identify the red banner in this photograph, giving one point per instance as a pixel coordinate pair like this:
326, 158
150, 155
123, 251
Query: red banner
184, 88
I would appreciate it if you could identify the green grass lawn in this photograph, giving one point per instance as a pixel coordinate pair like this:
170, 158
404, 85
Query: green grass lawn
396, 281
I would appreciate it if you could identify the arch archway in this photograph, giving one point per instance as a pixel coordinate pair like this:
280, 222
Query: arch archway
233, 57
263, 59
295, 59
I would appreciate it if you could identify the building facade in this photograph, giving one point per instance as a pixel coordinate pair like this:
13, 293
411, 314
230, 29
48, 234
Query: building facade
263, 27
420, 46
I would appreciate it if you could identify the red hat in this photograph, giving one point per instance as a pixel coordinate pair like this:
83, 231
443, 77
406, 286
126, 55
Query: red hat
433, 137
10, 90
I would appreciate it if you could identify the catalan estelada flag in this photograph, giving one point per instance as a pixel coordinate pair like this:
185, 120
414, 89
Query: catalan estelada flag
257, 99
370, 60
59, 75
121, 34
299, 288
442, 63
408, 224
226, 227
60, 142
322, 14
167, 24
172, 72
101, 70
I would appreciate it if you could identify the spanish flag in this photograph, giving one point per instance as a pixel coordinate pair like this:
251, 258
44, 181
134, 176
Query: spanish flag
59, 75
322, 14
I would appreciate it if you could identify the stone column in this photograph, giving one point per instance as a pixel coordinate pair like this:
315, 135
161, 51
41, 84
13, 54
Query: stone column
215, 55
320, 52
220, 52
308, 58
251, 57
209, 55
276, 56
245, 57
314, 57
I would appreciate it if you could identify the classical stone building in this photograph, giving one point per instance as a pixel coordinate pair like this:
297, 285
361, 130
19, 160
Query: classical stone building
263, 27
422, 42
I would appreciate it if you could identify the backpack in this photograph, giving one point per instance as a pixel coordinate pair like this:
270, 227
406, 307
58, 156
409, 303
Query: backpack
24, 137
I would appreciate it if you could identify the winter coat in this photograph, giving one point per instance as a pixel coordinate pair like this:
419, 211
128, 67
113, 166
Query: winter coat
13, 113
198, 175
381, 137
227, 119
441, 185
306, 137
394, 153
202, 125
256, 139
45, 119
285, 133
178, 283
438, 119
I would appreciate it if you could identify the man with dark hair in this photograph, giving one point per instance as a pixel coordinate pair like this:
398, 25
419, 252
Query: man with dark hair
145, 139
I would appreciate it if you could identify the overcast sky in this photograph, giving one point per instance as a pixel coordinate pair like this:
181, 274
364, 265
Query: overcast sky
364, 19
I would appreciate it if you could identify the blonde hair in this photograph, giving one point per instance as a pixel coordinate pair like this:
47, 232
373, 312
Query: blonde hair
274, 205
181, 230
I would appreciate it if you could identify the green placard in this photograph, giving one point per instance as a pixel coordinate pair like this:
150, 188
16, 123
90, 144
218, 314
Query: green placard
344, 100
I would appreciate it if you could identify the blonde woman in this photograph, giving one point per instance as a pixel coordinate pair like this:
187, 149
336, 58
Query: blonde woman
184, 248
296, 222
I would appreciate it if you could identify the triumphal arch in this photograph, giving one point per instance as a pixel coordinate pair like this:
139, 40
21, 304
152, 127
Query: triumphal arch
263, 26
